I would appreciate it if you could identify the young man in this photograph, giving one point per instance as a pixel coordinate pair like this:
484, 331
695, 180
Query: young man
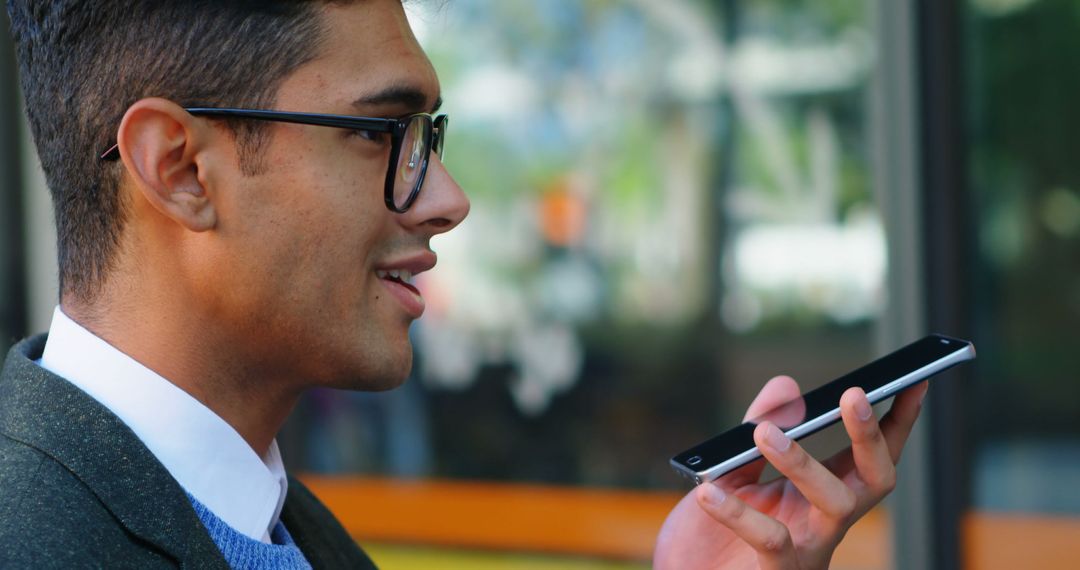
219, 256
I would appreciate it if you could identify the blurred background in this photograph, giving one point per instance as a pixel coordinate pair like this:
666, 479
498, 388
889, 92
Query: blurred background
674, 201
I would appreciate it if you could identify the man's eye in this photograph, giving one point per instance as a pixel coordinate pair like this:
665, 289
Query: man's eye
374, 136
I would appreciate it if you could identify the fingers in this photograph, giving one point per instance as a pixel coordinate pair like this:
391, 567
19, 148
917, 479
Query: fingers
819, 485
870, 451
777, 391
896, 425
767, 536
874, 451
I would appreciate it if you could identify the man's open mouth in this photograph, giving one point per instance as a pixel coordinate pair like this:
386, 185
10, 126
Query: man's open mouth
399, 276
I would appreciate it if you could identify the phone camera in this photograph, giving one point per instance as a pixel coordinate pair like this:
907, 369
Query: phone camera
944, 341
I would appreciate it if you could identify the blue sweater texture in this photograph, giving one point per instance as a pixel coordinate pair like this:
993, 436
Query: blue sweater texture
245, 553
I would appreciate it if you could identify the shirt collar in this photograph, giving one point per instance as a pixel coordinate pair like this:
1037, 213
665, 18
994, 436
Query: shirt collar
199, 449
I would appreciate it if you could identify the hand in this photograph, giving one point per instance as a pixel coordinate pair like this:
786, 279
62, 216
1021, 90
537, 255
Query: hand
798, 520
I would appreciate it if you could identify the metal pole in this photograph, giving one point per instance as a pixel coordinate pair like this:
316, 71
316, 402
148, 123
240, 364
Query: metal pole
896, 134
946, 213
921, 178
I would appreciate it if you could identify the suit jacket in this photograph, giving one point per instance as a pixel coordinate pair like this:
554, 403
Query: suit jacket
78, 489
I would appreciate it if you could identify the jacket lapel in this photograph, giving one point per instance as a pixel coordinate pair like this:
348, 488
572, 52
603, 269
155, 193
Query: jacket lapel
322, 539
50, 414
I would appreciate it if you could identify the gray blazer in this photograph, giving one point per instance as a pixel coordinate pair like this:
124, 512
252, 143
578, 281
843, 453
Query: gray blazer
78, 489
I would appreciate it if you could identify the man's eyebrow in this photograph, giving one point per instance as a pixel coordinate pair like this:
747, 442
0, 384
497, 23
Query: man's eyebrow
409, 98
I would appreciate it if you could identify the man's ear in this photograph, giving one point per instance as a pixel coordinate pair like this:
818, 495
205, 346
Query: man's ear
159, 143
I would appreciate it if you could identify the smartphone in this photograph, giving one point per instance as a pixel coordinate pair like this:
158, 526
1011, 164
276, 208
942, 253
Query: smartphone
820, 408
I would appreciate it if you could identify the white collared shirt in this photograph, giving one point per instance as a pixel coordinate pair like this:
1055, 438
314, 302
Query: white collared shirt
199, 449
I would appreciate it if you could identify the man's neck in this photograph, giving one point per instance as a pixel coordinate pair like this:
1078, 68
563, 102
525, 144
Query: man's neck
181, 348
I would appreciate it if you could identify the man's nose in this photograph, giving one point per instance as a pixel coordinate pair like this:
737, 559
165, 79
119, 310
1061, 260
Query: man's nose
441, 205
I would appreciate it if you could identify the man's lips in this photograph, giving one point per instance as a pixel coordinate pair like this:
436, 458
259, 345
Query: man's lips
406, 295
415, 264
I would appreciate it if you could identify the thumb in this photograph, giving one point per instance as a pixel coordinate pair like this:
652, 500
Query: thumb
777, 391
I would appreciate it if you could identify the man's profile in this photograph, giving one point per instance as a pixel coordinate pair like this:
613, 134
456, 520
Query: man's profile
242, 192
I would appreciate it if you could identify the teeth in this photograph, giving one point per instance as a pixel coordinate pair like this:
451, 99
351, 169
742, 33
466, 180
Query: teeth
400, 274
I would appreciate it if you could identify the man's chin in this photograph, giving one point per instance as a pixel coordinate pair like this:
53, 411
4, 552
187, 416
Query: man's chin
381, 384
390, 374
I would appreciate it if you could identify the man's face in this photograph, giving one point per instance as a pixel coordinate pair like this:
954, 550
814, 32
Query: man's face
304, 246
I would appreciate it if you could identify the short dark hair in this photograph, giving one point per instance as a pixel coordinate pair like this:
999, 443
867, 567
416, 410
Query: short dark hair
82, 63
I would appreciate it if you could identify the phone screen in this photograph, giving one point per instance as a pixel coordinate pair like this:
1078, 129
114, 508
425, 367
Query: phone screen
820, 407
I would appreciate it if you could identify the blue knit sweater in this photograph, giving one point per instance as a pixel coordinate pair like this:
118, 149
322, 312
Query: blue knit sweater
245, 553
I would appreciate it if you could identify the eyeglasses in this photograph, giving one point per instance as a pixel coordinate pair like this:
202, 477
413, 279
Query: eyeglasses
413, 139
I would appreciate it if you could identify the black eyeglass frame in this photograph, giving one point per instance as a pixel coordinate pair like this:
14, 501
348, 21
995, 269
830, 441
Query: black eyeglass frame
434, 134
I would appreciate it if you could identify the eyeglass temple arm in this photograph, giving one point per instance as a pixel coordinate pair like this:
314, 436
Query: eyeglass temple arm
343, 122
112, 154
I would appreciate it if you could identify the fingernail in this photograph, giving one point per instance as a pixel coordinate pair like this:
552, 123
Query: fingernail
923, 396
776, 438
863, 409
714, 495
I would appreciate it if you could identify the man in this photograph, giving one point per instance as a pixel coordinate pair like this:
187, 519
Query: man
218, 257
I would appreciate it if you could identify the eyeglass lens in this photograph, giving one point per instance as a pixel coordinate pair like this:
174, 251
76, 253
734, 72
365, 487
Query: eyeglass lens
412, 159
440, 134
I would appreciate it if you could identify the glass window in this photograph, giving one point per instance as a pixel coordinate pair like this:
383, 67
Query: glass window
672, 203
1026, 188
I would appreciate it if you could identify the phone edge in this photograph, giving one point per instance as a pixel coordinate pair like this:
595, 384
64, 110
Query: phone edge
825, 420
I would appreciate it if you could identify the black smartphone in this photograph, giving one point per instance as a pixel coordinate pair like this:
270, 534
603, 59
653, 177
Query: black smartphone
820, 408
